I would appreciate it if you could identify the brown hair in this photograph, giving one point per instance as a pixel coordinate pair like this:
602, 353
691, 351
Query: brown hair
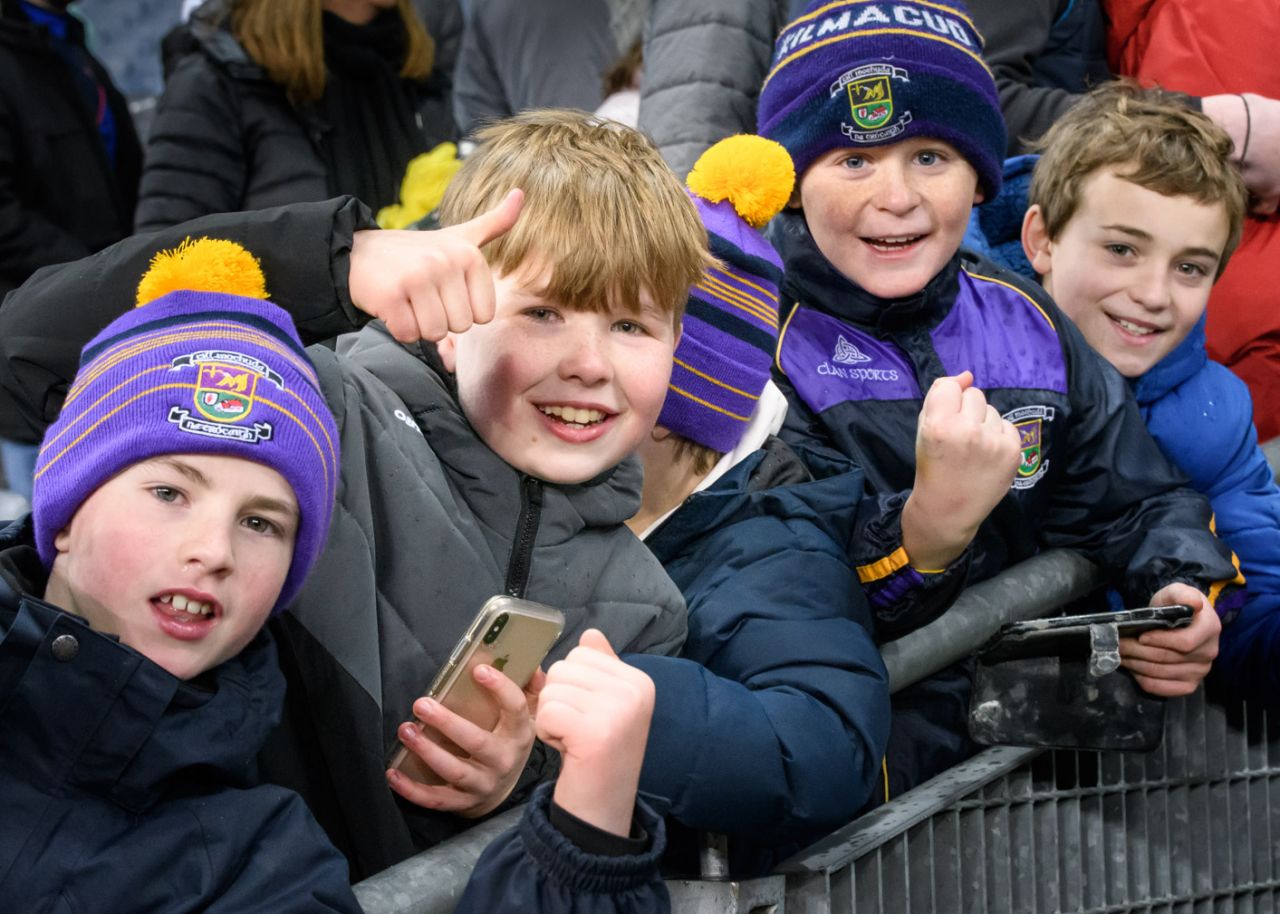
601, 210
286, 39
703, 458
1148, 137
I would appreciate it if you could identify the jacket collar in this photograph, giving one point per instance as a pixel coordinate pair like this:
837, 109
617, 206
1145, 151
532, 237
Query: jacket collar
810, 278
109, 720
1187, 358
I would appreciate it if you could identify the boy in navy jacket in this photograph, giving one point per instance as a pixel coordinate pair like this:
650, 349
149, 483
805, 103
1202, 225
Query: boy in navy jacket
986, 427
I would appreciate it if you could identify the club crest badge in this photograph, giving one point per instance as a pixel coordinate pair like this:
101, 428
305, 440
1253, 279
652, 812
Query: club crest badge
225, 394
1030, 424
869, 90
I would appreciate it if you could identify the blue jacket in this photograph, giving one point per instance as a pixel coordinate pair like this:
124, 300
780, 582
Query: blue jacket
126, 789
1189, 402
774, 719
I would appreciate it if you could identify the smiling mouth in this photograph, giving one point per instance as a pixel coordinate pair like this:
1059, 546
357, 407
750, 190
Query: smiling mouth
1132, 328
574, 417
892, 244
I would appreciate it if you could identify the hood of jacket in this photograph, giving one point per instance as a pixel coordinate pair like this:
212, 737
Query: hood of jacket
108, 720
209, 32
1186, 359
810, 278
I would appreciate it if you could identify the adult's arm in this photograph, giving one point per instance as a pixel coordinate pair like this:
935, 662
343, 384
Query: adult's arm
1016, 33
304, 250
478, 95
703, 67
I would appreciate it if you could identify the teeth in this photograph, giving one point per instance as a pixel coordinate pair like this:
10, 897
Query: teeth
573, 415
1133, 328
893, 242
190, 607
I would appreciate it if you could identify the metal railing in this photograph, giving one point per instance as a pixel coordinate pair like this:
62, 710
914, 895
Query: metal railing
432, 882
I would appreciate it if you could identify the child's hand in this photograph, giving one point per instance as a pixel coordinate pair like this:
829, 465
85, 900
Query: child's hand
595, 710
478, 783
426, 284
966, 456
1174, 661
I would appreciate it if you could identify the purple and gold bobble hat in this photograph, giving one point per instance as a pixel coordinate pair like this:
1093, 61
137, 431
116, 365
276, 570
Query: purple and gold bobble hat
726, 348
858, 74
203, 365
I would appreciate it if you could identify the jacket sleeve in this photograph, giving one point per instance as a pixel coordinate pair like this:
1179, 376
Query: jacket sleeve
304, 250
1246, 508
1015, 35
776, 715
902, 598
703, 67
196, 158
444, 22
534, 869
1119, 501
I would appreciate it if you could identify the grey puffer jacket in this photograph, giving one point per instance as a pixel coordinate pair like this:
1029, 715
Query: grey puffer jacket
423, 533
703, 66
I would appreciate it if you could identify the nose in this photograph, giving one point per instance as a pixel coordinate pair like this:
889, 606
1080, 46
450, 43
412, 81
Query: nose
894, 191
207, 544
1152, 288
586, 358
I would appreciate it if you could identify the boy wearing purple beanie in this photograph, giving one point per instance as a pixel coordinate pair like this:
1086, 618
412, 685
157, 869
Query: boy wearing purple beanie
985, 425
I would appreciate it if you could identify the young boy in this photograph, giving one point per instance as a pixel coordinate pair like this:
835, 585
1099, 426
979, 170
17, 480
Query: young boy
1135, 211
771, 725
495, 463
181, 497
1026, 439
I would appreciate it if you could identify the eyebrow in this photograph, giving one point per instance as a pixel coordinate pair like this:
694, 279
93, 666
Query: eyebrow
1146, 236
185, 469
275, 505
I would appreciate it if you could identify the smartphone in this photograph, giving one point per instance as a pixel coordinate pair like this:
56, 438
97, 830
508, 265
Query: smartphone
509, 634
1068, 636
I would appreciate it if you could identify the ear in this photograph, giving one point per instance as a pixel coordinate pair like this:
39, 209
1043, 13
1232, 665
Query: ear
62, 540
1036, 243
979, 195
659, 433
448, 350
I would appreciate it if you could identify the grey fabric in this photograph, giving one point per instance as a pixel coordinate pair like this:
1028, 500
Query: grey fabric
449, 535
703, 66
517, 55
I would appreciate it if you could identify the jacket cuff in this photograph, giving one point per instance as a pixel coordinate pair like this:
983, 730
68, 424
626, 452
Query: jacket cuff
561, 859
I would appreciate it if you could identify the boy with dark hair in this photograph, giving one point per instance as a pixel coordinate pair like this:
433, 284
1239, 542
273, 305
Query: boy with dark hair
1135, 210
494, 462
1025, 439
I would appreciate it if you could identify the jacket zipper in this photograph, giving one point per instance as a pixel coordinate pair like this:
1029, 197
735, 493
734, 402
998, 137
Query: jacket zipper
526, 532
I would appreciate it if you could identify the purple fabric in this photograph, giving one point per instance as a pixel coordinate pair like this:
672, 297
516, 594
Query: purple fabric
1002, 336
197, 373
829, 362
853, 73
721, 219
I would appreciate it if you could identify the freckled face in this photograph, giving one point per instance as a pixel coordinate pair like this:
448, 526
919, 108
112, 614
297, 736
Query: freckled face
561, 394
890, 217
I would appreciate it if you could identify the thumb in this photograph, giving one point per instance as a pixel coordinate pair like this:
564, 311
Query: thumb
964, 379
595, 639
494, 223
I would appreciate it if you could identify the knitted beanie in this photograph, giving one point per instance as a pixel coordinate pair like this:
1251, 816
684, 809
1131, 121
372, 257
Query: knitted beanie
731, 322
194, 372
860, 74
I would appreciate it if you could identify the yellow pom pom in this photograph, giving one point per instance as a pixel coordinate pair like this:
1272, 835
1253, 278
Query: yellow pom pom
203, 265
755, 174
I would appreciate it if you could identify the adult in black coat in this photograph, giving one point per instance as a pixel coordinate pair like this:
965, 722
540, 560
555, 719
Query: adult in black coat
65, 190
254, 115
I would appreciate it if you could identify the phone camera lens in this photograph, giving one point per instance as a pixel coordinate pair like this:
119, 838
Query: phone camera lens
496, 628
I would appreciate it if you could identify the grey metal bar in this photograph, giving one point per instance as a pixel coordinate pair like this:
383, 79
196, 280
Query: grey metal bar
433, 881
1028, 590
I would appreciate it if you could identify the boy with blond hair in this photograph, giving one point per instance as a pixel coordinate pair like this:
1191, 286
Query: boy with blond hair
493, 462
1135, 211
986, 427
